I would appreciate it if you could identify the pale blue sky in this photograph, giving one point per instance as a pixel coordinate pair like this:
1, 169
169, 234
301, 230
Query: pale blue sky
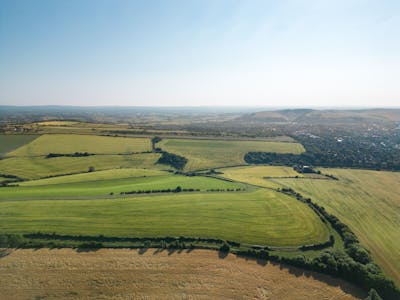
263, 53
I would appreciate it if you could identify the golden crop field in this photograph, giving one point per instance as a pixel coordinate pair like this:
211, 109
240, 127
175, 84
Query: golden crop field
149, 273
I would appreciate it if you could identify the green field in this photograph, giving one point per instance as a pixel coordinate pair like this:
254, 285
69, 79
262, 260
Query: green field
203, 154
369, 202
11, 142
71, 143
103, 188
38, 167
95, 176
260, 217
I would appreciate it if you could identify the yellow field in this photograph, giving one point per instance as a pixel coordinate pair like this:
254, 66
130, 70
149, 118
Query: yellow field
149, 273
203, 154
38, 167
256, 174
57, 123
71, 143
369, 202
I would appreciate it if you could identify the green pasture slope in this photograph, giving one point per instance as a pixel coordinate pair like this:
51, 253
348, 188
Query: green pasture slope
95, 176
260, 217
367, 201
10, 142
103, 188
202, 154
39, 167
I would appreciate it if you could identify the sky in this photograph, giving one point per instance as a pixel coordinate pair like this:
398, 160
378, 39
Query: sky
200, 53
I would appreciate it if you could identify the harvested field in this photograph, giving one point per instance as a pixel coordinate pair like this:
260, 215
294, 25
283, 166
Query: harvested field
369, 202
133, 274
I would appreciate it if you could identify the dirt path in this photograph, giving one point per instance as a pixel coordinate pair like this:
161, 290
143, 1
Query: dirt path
131, 274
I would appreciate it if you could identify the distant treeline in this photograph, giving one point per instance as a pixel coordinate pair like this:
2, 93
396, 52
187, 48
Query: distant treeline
178, 189
76, 154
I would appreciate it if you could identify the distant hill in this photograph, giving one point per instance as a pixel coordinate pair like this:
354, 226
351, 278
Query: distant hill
311, 116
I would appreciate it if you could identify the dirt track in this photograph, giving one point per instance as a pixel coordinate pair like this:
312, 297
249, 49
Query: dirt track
131, 274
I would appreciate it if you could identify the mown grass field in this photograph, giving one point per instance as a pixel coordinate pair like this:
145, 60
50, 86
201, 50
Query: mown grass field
71, 143
260, 217
202, 154
11, 142
369, 202
95, 176
257, 174
103, 188
38, 167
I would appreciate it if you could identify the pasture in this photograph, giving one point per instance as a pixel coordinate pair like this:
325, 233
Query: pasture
10, 142
204, 154
261, 217
39, 167
95, 176
133, 274
369, 202
71, 143
103, 187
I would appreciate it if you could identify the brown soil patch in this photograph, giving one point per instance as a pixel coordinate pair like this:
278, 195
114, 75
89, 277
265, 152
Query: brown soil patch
151, 274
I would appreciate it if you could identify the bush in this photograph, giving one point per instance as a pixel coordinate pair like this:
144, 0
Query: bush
176, 161
225, 248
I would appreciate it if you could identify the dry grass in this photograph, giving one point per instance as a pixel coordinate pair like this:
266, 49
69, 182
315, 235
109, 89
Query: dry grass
131, 274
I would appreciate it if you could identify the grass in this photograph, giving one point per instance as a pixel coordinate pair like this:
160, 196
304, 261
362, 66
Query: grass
102, 188
256, 174
94, 176
203, 154
38, 167
70, 143
367, 201
259, 217
10, 142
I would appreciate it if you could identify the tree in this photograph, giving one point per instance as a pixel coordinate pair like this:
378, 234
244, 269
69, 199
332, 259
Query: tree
373, 295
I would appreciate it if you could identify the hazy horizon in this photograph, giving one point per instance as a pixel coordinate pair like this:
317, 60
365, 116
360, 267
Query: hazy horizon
303, 54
